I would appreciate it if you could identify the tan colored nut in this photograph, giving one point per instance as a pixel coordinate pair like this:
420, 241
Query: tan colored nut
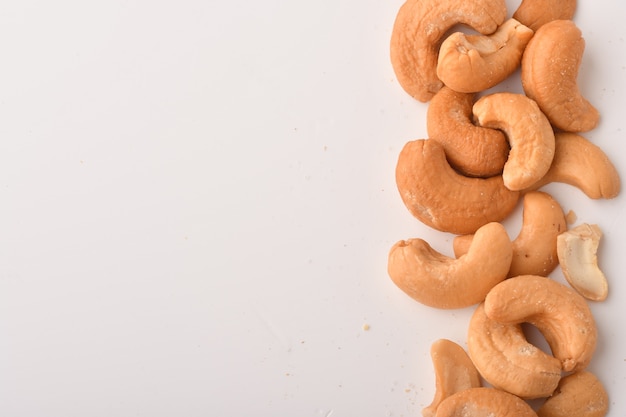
535, 247
549, 76
577, 252
560, 314
454, 372
484, 402
508, 361
473, 63
444, 200
436, 280
580, 394
535, 13
416, 34
580, 163
528, 131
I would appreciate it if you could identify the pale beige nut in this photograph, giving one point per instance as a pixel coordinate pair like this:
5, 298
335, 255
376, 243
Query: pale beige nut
473, 63
560, 313
535, 13
418, 29
549, 76
441, 198
580, 394
528, 131
436, 280
508, 361
582, 164
484, 402
454, 372
577, 253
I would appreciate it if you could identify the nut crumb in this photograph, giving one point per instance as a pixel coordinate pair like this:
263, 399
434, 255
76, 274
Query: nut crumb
571, 217
366, 327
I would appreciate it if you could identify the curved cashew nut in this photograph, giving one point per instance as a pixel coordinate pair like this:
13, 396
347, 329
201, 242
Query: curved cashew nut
419, 26
529, 133
560, 314
439, 281
454, 372
484, 402
549, 73
535, 13
580, 163
473, 63
439, 197
472, 150
577, 250
580, 394
508, 361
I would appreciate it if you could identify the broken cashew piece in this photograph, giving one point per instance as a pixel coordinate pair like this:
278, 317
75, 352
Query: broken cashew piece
577, 252
439, 197
484, 402
417, 30
436, 280
560, 313
535, 13
549, 76
580, 394
454, 372
528, 131
473, 63
506, 359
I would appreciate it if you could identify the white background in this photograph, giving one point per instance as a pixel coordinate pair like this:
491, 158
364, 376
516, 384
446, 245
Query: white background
197, 199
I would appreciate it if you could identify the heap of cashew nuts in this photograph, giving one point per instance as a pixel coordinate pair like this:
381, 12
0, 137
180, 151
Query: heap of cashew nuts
485, 154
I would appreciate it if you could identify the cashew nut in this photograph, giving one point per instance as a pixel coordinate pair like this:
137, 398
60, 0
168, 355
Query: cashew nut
484, 402
473, 63
528, 131
454, 372
577, 249
580, 163
580, 394
549, 73
473, 150
417, 30
560, 313
441, 198
535, 13
439, 281
508, 361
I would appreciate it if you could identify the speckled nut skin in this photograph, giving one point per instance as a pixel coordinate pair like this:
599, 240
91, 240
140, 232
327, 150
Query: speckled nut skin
580, 394
560, 313
535, 13
416, 34
508, 361
473, 63
472, 150
528, 131
441, 198
549, 76
484, 402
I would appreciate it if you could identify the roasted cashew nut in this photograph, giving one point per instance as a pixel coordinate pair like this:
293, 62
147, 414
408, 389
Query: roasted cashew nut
580, 394
535, 13
417, 30
441, 198
484, 402
473, 63
436, 280
559, 312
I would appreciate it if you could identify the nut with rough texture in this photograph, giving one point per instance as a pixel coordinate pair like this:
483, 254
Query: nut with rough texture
535, 13
436, 280
416, 33
484, 402
580, 394
439, 197
473, 63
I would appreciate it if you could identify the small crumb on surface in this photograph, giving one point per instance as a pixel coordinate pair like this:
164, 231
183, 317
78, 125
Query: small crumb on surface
366, 326
570, 217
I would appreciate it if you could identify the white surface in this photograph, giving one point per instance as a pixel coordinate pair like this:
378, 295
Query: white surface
198, 199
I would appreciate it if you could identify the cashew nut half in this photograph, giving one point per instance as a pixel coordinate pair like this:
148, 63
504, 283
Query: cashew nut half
508, 361
439, 281
441, 198
484, 402
454, 372
580, 394
535, 13
417, 30
549, 74
577, 252
560, 313
473, 63
528, 131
